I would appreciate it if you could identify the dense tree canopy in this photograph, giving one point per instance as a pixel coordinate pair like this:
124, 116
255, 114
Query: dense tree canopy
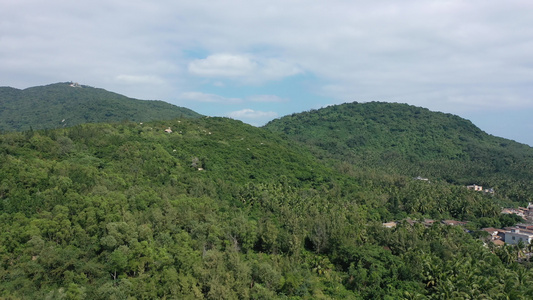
413, 141
218, 209
62, 105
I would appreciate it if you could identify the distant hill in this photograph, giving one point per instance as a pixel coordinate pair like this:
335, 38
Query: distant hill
413, 141
66, 104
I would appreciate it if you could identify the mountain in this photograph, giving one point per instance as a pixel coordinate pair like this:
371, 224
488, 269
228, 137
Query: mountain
205, 150
67, 104
413, 141
212, 208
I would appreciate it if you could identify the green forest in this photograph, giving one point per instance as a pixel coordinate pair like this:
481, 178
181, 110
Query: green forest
67, 104
218, 209
414, 141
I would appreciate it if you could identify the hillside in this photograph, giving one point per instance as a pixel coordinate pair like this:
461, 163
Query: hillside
217, 209
62, 104
413, 141
197, 155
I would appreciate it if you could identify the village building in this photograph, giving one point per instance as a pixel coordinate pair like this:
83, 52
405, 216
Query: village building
390, 224
528, 212
524, 226
421, 178
428, 222
479, 188
489, 191
495, 233
475, 187
515, 235
453, 222
411, 221
514, 211
498, 242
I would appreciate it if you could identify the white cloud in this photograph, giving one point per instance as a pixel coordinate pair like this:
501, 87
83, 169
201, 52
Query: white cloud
244, 67
223, 65
140, 79
248, 114
209, 98
367, 49
266, 98
213, 98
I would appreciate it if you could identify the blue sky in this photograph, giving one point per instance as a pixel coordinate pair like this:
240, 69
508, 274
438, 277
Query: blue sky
259, 60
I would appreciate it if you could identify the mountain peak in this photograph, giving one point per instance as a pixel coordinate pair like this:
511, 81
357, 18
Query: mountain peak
43, 107
407, 140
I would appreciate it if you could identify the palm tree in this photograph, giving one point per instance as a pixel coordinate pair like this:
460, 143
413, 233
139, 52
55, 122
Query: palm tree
529, 248
519, 248
506, 253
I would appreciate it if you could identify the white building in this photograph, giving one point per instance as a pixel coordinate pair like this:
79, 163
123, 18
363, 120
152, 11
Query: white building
475, 187
514, 236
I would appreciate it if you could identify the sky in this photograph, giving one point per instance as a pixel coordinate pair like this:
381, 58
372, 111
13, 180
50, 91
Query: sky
259, 60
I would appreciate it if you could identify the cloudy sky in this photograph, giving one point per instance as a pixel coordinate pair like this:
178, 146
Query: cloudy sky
259, 60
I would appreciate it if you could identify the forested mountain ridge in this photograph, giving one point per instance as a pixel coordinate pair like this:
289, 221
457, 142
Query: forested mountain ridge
68, 104
217, 209
212, 208
414, 141
163, 152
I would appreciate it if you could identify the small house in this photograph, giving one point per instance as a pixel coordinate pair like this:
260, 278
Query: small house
475, 187
515, 235
390, 224
453, 222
